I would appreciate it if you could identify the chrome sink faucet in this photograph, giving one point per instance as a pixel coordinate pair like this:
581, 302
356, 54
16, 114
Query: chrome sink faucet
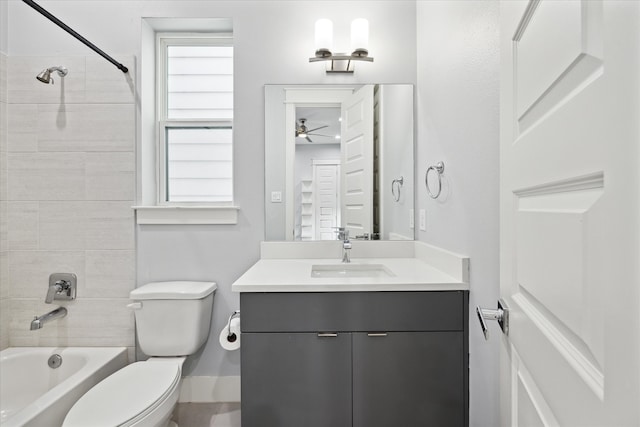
343, 234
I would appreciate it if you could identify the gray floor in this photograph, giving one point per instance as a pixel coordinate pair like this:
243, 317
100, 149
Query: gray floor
207, 414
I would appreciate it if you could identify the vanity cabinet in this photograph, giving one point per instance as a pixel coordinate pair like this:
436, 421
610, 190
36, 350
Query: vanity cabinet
363, 359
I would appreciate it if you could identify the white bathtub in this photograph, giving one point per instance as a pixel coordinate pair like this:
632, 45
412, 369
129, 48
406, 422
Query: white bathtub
33, 394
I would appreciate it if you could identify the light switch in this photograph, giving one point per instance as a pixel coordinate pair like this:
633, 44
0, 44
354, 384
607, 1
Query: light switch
276, 197
423, 220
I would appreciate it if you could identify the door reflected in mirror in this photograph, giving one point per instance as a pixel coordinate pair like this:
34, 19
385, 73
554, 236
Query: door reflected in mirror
339, 156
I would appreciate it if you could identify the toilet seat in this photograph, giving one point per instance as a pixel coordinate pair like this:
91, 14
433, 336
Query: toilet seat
128, 395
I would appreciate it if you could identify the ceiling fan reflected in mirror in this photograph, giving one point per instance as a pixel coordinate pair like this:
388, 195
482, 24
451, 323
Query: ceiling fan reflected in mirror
303, 132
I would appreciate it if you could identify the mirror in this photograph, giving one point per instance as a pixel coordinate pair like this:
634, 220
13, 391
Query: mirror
339, 156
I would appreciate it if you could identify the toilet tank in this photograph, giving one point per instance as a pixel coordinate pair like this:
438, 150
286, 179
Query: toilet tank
173, 318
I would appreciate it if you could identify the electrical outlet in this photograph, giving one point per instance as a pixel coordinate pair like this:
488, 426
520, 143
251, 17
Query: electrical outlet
423, 220
412, 218
276, 197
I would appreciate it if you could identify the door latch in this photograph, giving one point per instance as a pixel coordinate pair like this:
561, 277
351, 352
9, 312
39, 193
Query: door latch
501, 314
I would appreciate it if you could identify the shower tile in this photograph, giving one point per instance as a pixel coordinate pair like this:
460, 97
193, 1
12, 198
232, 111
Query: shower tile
109, 274
107, 84
4, 274
62, 225
3, 175
3, 78
4, 112
86, 127
89, 322
23, 88
110, 225
22, 132
4, 206
110, 176
29, 270
22, 225
5, 313
46, 176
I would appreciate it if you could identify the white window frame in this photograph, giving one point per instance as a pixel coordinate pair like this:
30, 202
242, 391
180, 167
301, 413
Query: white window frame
183, 212
163, 40
149, 210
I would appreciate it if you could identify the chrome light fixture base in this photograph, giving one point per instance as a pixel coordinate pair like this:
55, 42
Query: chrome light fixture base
341, 62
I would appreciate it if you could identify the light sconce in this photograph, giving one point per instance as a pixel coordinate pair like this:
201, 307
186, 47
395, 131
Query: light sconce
341, 62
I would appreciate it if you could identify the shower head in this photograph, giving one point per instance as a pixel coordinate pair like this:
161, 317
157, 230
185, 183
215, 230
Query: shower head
45, 75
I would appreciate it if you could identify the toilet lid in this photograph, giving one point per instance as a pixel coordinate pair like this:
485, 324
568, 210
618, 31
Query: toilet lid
124, 395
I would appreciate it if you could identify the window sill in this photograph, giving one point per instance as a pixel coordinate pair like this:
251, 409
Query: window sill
186, 215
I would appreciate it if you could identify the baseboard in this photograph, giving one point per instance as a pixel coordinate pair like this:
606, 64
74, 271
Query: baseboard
210, 389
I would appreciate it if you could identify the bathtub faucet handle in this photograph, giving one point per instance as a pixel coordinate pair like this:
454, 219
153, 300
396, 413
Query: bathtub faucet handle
62, 286
53, 290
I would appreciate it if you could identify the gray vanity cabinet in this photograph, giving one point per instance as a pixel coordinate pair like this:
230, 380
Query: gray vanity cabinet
362, 359
408, 379
290, 379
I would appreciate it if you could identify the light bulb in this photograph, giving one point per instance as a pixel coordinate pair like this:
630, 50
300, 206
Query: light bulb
324, 37
360, 37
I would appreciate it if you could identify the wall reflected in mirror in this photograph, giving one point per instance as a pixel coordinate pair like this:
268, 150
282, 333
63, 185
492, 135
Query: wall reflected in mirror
339, 156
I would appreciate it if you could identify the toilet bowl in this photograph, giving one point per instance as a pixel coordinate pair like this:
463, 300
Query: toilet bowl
172, 321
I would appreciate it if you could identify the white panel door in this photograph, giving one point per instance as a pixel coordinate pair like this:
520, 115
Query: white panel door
569, 213
357, 162
326, 198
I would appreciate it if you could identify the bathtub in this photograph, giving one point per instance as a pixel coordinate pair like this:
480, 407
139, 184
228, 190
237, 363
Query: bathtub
33, 394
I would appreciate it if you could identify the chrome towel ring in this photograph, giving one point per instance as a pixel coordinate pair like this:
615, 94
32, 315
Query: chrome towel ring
438, 169
400, 182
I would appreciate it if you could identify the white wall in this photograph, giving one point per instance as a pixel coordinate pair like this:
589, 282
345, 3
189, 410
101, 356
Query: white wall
273, 41
458, 92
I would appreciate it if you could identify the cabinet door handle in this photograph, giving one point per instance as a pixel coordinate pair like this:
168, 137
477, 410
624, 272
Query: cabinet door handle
327, 335
377, 334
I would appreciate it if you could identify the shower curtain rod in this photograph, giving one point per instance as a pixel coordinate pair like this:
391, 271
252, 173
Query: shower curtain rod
65, 27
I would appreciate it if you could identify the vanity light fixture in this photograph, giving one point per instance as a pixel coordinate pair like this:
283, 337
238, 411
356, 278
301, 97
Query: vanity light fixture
340, 62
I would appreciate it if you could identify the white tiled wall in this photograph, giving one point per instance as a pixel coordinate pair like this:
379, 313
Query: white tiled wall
69, 184
4, 277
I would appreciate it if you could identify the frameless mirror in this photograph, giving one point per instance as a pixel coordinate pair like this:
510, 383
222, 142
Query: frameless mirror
339, 156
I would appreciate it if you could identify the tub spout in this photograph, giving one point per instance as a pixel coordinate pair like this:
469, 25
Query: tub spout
38, 322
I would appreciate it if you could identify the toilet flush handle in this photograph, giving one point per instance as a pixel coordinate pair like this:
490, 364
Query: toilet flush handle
135, 305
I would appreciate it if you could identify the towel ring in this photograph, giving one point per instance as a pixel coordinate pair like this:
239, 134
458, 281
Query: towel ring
400, 182
439, 169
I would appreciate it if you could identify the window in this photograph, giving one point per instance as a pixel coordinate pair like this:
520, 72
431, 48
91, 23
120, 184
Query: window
195, 119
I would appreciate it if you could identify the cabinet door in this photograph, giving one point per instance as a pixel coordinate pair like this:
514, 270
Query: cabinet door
408, 379
295, 380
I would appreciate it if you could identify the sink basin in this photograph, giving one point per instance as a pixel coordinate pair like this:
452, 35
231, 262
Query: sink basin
350, 270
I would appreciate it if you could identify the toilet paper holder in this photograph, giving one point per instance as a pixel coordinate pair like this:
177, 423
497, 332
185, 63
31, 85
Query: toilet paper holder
231, 336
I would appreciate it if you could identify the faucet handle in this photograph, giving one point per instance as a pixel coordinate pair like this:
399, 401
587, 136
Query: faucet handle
54, 289
342, 232
62, 286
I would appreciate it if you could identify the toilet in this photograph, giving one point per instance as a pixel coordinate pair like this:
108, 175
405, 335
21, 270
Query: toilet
172, 322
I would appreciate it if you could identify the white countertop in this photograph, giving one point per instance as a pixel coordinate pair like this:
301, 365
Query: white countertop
275, 274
